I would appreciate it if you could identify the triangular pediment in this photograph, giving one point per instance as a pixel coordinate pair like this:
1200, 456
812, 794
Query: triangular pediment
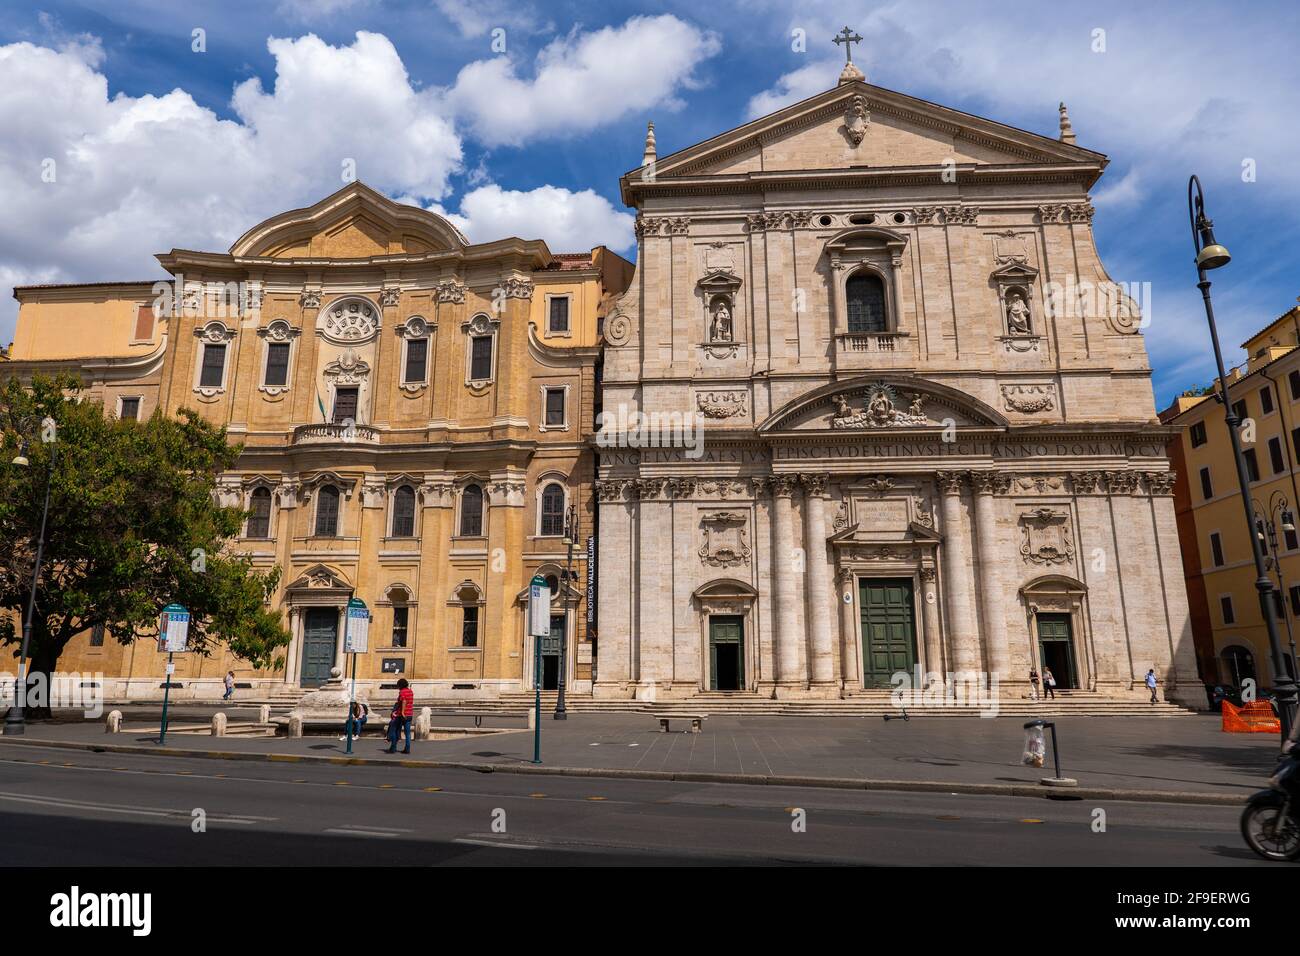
896, 131
320, 577
354, 223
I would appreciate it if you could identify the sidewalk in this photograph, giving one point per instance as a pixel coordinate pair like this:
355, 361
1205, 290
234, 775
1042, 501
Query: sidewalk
1186, 760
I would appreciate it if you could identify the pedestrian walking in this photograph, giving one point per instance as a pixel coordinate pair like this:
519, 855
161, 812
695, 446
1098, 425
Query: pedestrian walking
403, 714
230, 686
1049, 684
360, 714
1033, 684
1151, 684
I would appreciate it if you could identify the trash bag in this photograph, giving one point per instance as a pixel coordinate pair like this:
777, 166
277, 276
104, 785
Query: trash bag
1035, 747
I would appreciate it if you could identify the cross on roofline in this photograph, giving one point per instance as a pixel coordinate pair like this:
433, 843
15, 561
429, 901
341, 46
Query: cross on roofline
848, 38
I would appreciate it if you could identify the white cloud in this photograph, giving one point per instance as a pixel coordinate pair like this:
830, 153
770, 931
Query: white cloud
476, 19
305, 10
568, 221
583, 80
137, 175
792, 87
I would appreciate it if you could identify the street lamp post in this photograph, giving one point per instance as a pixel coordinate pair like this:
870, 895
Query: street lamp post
1211, 255
570, 533
15, 720
1266, 530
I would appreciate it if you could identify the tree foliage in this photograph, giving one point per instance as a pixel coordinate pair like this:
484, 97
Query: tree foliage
133, 525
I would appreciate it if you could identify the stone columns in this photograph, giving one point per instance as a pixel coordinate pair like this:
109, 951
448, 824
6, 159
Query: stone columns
820, 594
959, 584
994, 622
291, 656
933, 659
850, 669
785, 583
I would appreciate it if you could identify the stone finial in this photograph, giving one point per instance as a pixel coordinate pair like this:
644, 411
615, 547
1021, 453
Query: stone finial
649, 156
1067, 131
851, 74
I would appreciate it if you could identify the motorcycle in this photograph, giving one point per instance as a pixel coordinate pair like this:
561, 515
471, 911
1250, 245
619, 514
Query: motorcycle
1270, 823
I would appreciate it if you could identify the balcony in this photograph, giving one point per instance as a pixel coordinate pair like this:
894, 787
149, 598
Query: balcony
872, 341
324, 433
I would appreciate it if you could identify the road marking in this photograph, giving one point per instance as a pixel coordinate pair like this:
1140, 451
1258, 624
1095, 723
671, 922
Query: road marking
367, 831
595, 798
65, 804
1031, 820
498, 844
537, 796
432, 789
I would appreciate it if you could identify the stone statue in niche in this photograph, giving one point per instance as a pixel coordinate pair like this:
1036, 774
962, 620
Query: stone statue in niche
720, 326
1018, 320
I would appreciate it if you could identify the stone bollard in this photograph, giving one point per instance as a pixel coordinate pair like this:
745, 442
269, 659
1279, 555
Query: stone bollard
295, 726
264, 714
423, 723
113, 722
532, 718
218, 724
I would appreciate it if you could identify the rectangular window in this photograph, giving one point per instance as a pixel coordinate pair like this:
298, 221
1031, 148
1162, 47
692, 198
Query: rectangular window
1252, 464
1239, 409
1279, 608
1207, 487
130, 409
1295, 600
144, 324
480, 361
1294, 380
400, 617
97, 635
1216, 549
417, 360
1276, 457
1198, 434
555, 406
345, 405
277, 364
559, 317
1225, 605
1291, 540
1266, 400
469, 627
214, 365
327, 511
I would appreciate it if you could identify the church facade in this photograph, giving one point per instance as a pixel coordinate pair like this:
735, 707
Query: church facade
871, 405
413, 410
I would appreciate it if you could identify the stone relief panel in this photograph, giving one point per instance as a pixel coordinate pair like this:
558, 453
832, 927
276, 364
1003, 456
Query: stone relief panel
725, 539
1029, 398
882, 407
722, 403
1047, 538
349, 322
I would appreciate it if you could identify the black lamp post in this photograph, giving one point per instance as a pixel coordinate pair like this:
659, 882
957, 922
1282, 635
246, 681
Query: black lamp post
1266, 525
15, 720
570, 533
1211, 255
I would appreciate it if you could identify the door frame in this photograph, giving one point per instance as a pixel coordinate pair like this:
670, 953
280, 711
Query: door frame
710, 676
1069, 642
911, 577
304, 614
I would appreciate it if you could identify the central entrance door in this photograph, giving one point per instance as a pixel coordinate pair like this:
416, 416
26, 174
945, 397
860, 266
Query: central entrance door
320, 631
888, 629
726, 652
551, 654
1056, 648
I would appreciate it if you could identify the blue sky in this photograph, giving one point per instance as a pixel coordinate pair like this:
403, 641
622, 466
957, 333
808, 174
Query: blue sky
156, 144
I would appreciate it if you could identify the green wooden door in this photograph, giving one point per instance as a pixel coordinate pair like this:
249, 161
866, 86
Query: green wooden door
1056, 649
888, 629
319, 638
726, 652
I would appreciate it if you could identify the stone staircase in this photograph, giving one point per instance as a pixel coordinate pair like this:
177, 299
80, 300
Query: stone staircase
871, 703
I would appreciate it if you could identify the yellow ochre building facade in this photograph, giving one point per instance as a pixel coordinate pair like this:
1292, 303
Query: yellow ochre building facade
414, 411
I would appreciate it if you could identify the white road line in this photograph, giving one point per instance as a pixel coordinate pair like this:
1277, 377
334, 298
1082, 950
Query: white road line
367, 831
65, 804
498, 844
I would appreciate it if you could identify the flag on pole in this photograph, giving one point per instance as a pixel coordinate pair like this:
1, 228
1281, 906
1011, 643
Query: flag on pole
321, 405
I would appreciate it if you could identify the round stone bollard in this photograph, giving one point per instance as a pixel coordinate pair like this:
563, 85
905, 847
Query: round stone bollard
295, 726
264, 714
423, 723
218, 725
113, 722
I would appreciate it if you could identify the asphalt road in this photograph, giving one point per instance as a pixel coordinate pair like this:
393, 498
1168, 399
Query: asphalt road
68, 808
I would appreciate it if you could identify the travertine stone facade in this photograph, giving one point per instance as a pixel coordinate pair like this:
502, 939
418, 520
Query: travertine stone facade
929, 438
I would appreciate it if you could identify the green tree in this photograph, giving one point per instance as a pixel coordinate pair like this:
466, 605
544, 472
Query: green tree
133, 525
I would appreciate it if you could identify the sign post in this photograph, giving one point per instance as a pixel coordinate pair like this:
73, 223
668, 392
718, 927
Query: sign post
356, 640
539, 626
173, 636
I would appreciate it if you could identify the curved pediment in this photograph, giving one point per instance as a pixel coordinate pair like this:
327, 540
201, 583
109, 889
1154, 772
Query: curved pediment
354, 223
882, 402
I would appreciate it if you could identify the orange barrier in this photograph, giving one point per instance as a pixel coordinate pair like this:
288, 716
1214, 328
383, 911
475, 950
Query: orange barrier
1256, 717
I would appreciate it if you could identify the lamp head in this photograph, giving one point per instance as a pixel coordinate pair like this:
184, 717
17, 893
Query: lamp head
21, 458
1288, 521
1212, 255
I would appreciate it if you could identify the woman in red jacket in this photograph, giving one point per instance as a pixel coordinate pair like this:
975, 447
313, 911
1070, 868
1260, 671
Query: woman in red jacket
403, 714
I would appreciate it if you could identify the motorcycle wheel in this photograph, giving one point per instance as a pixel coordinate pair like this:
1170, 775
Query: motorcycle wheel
1266, 831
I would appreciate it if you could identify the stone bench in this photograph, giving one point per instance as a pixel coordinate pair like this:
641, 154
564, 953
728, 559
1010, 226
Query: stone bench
697, 721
